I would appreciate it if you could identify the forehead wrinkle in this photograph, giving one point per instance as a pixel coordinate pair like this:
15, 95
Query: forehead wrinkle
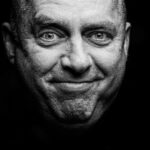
25, 5
51, 1
73, 4
46, 18
88, 6
43, 20
119, 6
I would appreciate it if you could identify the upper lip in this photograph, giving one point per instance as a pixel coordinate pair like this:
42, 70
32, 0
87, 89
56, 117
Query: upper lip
74, 81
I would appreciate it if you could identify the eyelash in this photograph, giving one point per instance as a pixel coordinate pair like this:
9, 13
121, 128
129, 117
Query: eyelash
60, 36
45, 41
108, 37
47, 34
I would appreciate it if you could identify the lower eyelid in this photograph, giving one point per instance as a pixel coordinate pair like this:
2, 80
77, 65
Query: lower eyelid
48, 43
96, 32
98, 43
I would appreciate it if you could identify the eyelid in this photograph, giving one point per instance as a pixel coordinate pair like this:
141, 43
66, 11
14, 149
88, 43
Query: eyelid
59, 37
52, 26
100, 43
92, 32
51, 30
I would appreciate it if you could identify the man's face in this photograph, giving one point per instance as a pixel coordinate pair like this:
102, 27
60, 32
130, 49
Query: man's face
72, 55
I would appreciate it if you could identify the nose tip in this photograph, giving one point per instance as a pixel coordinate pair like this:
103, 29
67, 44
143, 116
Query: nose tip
77, 59
76, 64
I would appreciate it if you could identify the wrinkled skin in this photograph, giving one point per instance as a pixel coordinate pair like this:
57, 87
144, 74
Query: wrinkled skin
72, 55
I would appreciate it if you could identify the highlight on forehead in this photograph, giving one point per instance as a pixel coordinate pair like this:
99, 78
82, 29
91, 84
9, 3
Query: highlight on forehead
23, 6
119, 5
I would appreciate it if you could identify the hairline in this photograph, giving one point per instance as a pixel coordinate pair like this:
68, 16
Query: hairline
19, 7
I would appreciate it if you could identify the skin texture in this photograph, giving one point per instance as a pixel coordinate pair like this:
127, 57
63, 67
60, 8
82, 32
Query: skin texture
72, 55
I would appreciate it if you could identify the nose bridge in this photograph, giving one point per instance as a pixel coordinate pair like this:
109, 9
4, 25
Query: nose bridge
78, 54
77, 58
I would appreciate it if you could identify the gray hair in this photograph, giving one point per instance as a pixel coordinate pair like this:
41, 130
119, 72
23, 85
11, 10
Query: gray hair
19, 7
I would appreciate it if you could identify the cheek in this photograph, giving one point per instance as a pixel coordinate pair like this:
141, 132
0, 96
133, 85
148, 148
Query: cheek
107, 59
41, 59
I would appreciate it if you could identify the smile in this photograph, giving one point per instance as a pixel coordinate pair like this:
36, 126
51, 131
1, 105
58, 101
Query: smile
75, 86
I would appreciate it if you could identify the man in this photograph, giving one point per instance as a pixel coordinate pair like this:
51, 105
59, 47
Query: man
71, 54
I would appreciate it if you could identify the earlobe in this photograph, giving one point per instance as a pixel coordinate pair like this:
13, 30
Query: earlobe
127, 38
8, 42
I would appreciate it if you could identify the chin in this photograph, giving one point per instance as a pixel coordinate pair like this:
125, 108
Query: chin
80, 122
76, 114
83, 121
77, 110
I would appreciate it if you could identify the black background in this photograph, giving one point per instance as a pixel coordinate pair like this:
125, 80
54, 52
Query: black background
128, 117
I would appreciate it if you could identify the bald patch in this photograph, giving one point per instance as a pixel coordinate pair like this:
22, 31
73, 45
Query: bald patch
23, 10
23, 6
119, 5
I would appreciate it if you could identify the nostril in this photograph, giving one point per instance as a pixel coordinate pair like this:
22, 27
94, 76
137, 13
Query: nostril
76, 72
75, 66
80, 67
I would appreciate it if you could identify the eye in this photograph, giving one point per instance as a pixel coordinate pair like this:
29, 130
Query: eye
100, 37
48, 38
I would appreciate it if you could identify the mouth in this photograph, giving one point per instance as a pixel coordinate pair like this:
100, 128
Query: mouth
75, 87
76, 98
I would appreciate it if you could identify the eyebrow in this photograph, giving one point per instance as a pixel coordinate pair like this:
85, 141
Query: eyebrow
102, 25
45, 21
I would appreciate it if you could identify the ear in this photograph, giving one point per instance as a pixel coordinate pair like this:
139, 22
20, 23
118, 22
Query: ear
9, 41
127, 38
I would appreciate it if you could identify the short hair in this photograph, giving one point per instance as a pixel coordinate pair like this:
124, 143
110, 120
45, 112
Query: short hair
121, 7
19, 7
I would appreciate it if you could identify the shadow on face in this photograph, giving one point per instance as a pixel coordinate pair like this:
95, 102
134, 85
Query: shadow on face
72, 56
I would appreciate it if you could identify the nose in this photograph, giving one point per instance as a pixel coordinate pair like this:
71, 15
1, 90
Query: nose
77, 60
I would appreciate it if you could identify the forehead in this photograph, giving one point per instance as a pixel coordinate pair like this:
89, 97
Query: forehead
74, 8
75, 3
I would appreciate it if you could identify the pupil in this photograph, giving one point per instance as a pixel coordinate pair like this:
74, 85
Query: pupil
50, 36
99, 35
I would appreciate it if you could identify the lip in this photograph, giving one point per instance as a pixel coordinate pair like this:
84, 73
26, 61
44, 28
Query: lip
76, 87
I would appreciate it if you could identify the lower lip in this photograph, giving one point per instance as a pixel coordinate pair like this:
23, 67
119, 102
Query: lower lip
75, 87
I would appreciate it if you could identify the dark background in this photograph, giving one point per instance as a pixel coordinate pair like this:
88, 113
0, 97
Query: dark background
128, 117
